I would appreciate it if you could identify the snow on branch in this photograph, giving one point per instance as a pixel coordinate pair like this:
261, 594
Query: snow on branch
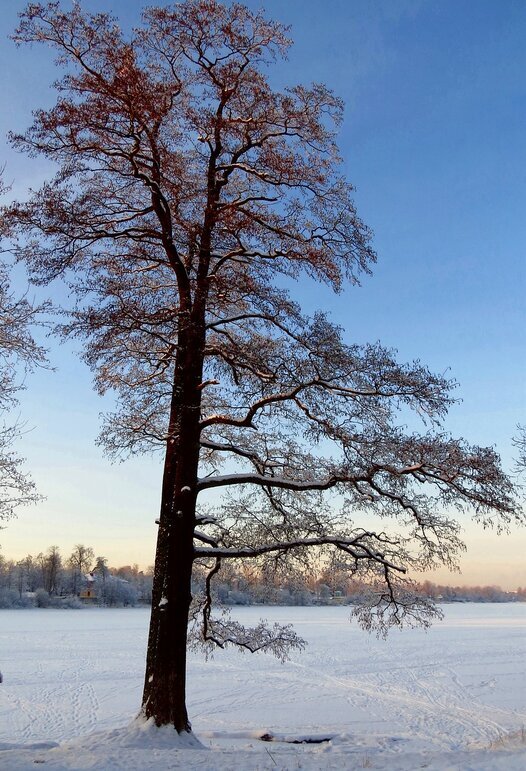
263, 480
385, 605
359, 548
390, 473
16, 487
209, 633
278, 639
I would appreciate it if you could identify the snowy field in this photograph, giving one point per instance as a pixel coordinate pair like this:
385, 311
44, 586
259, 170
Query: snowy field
451, 698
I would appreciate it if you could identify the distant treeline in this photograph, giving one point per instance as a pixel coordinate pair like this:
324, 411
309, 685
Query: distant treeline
332, 587
51, 580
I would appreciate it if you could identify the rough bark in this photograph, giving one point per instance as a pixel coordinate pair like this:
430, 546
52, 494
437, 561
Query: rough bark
171, 594
167, 642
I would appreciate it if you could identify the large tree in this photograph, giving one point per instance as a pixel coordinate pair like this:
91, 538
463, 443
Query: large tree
189, 193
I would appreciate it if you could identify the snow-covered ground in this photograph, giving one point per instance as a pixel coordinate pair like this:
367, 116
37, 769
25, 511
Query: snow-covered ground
451, 698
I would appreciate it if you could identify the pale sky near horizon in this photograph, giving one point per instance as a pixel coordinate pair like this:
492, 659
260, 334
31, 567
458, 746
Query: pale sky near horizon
434, 142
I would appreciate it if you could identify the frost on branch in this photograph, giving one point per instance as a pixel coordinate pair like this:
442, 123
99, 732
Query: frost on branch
18, 350
208, 633
16, 487
520, 443
394, 604
211, 633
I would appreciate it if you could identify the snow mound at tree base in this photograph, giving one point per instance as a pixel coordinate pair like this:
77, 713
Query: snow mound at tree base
140, 733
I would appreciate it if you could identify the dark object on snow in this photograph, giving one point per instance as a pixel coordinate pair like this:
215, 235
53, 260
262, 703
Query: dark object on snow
299, 740
1, 677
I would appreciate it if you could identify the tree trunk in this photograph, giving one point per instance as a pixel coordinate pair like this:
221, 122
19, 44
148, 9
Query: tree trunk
164, 696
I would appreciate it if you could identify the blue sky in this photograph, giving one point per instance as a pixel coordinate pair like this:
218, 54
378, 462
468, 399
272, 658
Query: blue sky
434, 142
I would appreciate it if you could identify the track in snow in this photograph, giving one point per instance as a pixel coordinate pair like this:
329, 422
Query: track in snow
69, 673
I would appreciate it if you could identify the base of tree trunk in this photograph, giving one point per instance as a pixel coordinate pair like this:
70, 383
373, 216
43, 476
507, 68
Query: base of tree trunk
181, 739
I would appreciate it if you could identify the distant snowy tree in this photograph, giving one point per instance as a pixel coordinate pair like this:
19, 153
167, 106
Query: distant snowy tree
80, 561
117, 592
51, 566
7, 598
189, 193
42, 598
101, 568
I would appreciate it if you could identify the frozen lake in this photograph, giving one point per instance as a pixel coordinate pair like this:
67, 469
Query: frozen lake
454, 691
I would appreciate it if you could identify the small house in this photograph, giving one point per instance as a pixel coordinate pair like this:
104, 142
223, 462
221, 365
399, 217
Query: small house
88, 591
